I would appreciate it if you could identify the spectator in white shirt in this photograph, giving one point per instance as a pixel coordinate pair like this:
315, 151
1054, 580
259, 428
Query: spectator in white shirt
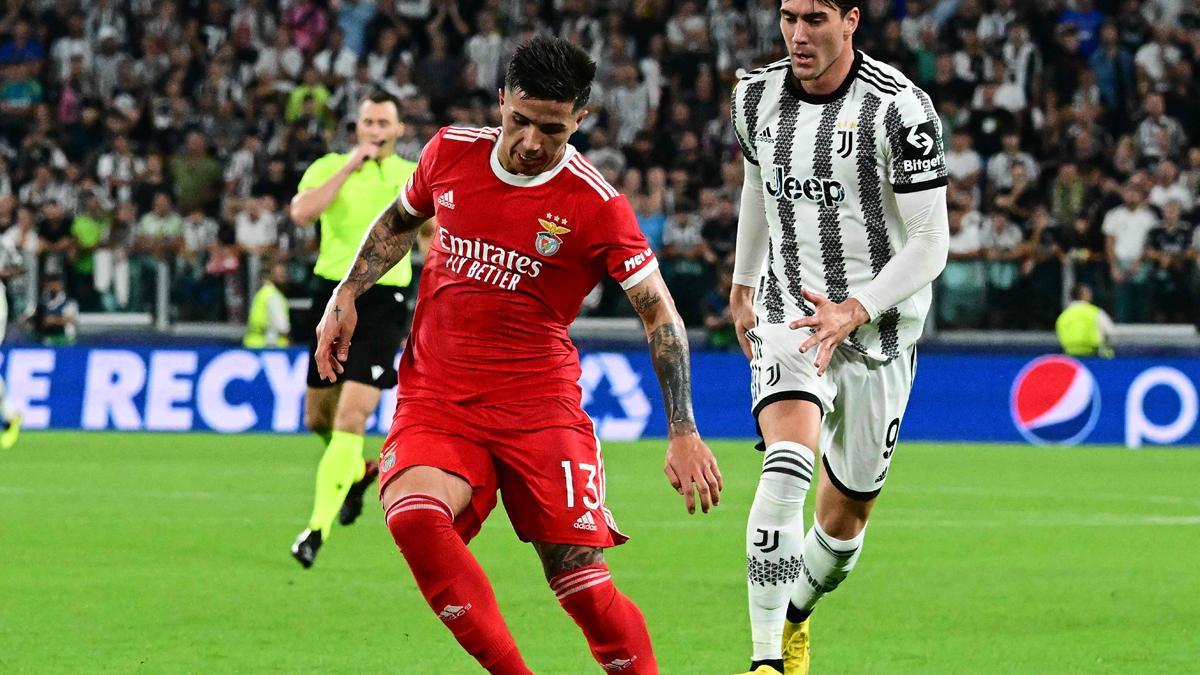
1169, 188
73, 44
963, 164
686, 21
1009, 95
1003, 247
485, 49
962, 297
336, 62
1154, 58
994, 25
239, 171
628, 104
256, 226
282, 60
1164, 12
1125, 228
1021, 57
1000, 166
199, 235
118, 168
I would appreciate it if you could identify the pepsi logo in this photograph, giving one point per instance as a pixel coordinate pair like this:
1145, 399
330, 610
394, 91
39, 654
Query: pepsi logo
1055, 401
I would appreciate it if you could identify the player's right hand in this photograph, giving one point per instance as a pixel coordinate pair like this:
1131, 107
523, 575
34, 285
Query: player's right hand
741, 310
363, 153
334, 333
691, 468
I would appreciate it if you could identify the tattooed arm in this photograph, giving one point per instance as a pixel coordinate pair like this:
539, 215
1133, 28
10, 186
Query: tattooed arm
386, 242
690, 464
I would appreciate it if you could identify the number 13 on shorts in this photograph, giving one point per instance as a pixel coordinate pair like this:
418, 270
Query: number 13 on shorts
590, 489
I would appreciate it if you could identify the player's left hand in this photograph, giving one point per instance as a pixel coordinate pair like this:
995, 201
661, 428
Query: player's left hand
832, 324
334, 333
692, 468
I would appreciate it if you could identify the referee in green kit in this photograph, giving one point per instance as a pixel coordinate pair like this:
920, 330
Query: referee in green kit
347, 192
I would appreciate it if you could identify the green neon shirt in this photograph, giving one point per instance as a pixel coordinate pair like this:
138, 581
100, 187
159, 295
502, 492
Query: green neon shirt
1078, 329
362, 197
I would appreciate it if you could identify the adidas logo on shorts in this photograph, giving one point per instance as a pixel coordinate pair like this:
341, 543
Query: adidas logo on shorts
447, 199
452, 612
586, 522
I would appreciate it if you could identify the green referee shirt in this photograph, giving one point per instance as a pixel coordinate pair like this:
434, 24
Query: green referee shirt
362, 197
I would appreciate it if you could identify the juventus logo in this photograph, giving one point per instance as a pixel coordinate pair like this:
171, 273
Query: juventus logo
766, 537
846, 142
773, 375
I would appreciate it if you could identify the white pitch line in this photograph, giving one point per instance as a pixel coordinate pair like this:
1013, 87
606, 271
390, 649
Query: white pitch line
1017, 494
1027, 521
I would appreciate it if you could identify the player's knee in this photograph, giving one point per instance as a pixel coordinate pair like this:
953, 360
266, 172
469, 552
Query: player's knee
351, 421
413, 519
559, 559
845, 524
786, 474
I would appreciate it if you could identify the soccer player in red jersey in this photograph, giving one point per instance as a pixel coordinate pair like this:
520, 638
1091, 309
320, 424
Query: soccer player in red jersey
489, 398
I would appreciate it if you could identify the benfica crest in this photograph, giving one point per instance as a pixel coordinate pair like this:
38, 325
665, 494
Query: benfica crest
548, 242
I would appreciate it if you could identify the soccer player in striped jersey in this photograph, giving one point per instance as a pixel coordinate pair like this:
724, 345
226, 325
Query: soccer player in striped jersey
843, 227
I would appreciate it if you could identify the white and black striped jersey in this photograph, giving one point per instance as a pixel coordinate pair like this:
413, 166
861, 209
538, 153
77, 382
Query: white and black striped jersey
830, 168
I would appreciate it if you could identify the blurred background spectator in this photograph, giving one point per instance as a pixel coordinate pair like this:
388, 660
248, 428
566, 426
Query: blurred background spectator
144, 144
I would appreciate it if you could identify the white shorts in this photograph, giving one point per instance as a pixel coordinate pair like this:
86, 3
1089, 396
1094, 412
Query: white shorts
862, 401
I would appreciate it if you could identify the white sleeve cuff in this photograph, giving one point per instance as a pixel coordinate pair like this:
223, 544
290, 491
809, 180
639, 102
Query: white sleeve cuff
868, 304
409, 207
640, 275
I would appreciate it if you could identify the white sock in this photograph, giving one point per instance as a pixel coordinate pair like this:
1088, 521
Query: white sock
825, 564
774, 542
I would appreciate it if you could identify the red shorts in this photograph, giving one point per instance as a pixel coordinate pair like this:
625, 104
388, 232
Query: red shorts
550, 474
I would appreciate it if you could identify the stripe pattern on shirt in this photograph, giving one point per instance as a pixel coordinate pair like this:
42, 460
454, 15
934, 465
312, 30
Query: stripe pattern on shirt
871, 74
754, 94
773, 295
870, 194
469, 135
789, 113
829, 231
894, 127
591, 175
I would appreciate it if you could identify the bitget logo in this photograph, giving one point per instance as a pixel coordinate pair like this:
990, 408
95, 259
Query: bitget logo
1055, 401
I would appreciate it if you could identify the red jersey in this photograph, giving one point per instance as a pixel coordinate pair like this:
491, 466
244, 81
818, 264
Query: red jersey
511, 260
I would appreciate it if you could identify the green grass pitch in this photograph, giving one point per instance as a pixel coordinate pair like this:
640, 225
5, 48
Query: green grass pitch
169, 553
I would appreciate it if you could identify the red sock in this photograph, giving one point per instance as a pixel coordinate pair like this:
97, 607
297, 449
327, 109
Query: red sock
614, 627
453, 582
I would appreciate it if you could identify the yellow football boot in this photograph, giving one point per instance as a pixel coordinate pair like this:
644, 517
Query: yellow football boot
795, 648
9, 437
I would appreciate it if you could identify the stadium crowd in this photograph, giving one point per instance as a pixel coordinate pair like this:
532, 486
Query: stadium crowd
139, 136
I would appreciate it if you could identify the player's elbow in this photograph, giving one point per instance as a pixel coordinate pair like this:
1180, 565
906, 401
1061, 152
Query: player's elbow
939, 251
301, 209
299, 214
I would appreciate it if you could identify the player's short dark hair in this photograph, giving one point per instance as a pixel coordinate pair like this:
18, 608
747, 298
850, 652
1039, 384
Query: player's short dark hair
551, 69
380, 96
842, 6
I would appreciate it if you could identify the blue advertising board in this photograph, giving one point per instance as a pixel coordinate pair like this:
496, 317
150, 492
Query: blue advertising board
999, 398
